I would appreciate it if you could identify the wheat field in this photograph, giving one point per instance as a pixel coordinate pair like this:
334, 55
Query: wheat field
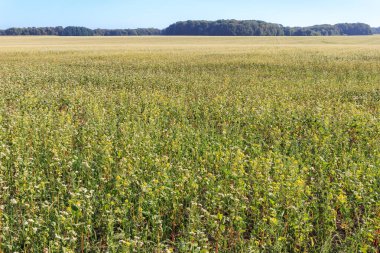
190, 144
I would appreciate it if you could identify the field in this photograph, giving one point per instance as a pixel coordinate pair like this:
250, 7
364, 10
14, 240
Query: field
185, 144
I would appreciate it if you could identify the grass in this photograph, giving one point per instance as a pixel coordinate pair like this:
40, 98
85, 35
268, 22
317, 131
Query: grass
185, 144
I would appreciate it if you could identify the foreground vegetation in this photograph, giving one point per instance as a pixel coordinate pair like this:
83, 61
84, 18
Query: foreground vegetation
189, 144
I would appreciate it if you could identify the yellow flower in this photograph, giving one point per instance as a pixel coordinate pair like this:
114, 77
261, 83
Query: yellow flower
274, 221
342, 198
300, 182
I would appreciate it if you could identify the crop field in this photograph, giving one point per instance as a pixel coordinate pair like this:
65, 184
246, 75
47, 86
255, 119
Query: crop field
186, 144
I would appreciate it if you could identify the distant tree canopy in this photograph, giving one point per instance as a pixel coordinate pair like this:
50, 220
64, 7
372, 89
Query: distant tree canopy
261, 28
376, 30
224, 28
78, 31
205, 28
33, 31
127, 32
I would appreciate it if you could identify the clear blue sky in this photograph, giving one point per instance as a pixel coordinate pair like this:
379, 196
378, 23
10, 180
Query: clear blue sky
161, 13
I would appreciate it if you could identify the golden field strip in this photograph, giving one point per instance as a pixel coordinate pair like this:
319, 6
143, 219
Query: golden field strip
190, 144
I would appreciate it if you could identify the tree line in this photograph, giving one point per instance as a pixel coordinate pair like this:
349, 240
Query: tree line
376, 30
205, 28
261, 28
78, 31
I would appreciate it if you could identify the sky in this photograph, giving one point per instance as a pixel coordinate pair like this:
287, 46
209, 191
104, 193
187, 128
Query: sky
161, 13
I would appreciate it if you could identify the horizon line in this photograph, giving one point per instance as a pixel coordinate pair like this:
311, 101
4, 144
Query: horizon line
92, 28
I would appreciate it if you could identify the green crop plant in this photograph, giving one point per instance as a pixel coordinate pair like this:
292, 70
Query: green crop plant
185, 144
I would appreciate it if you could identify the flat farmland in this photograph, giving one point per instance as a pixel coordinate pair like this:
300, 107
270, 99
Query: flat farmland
190, 144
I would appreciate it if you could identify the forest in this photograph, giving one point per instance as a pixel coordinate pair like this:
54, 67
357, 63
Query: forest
204, 28
78, 31
376, 30
261, 28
